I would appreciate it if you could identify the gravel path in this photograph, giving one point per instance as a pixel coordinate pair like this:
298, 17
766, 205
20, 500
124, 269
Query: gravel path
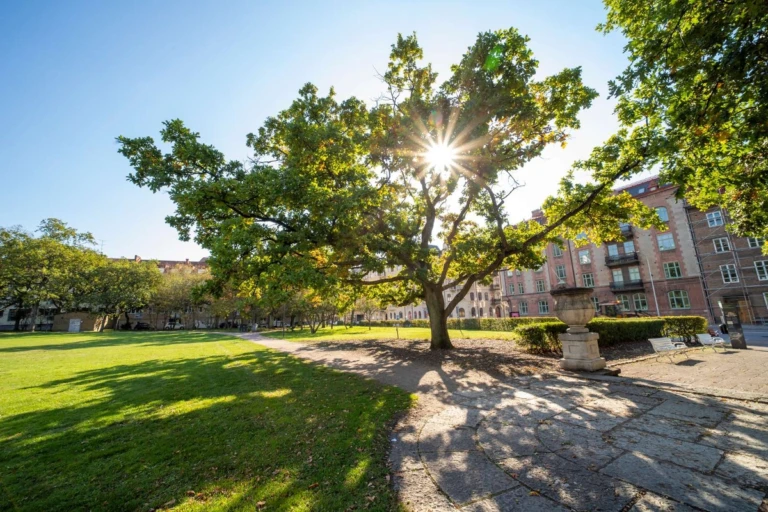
535, 440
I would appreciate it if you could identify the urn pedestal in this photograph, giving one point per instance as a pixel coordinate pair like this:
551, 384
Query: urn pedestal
580, 350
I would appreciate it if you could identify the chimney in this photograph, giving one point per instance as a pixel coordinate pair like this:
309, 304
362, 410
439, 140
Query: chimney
136, 258
187, 261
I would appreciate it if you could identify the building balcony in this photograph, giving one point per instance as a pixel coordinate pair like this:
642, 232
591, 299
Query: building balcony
625, 286
621, 259
495, 302
626, 230
495, 287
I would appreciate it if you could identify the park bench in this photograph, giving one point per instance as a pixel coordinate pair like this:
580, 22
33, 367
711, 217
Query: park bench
666, 347
707, 340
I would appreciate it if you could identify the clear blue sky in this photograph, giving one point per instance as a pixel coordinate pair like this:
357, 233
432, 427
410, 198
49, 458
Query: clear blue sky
74, 75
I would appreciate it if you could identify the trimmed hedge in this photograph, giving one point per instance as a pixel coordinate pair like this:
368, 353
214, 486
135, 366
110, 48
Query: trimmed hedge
540, 338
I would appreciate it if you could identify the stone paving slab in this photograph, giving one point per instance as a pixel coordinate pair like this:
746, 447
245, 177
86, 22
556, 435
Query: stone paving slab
502, 441
668, 427
651, 502
591, 418
417, 492
703, 412
690, 487
466, 476
570, 484
691, 455
746, 468
583, 446
439, 437
516, 500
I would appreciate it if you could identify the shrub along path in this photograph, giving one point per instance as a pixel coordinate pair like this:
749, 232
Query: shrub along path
554, 443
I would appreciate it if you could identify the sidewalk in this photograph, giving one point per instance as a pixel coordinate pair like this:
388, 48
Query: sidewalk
477, 443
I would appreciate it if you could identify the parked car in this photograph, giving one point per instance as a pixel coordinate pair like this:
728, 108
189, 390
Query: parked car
142, 326
173, 326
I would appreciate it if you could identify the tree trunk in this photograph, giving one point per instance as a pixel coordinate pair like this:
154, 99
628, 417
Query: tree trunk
17, 320
33, 316
438, 319
127, 320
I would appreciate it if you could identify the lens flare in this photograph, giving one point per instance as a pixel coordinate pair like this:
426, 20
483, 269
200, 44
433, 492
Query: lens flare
440, 156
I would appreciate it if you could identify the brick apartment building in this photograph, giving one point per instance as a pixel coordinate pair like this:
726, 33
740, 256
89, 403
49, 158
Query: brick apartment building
684, 270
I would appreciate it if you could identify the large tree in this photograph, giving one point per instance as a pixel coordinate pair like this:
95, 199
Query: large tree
47, 268
122, 285
698, 76
408, 194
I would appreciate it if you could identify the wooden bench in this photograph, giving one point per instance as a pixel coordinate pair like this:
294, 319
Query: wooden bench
707, 340
666, 347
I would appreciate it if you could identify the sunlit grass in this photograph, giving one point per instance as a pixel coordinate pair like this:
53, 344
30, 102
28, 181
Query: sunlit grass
362, 332
185, 421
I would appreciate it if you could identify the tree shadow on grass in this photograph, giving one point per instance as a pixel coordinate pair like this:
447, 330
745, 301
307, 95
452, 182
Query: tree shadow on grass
81, 341
218, 431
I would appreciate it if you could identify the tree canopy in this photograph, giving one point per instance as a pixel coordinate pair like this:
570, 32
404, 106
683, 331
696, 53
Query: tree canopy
697, 82
408, 195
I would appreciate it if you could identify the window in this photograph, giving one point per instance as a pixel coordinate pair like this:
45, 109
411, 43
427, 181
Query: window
486, 295
595, 303
678, 299
755, 243
523, 307
729, 273
588, 280
517, 272
714, 219
543, 307
560, 273
509, 273
473, 312
721, 245
634, 273
624, 302
641, 303
520, 288
629, 247
512, 289
672, 270
540, 286
481, 312
765, 298
613, 250
584, 257
557, 251
461, 313
662, 213
666, 242
541, 267
471, 295
762, 270
618, 276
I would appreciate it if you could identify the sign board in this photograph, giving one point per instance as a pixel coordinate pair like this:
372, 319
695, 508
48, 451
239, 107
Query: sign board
74, 324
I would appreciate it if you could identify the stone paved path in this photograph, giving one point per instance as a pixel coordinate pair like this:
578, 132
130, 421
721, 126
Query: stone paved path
475, 443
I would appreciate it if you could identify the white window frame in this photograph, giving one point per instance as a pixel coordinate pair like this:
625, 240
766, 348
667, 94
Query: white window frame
729, 273
613, 250
557, 251
683, 297
634, 270
512, 289
663, 246
631, 245
665, 216
714, 219
617, 272
523, 307
761, 267
540, 286
543, 307
668, 266
585, 258
721, 245
640, 301
624, 302
588, 280
595, 303
520, 288
755, 243
558, 270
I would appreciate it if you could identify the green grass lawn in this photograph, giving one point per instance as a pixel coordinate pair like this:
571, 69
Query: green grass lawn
361, 332
185, 421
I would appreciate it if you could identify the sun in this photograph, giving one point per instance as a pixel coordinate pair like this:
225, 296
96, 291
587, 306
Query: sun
440, 157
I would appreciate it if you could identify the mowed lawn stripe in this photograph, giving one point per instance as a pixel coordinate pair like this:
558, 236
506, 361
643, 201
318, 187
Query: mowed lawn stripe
185, 421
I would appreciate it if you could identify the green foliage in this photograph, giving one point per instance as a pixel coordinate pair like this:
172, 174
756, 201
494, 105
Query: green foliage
340, 193
187, 421
121, 285
686, 327
540, 338
617, 330
694, 100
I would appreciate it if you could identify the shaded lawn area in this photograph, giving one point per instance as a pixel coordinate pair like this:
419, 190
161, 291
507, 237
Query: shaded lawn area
362, 332
185, 421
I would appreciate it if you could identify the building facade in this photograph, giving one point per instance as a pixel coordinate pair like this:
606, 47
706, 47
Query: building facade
683, 270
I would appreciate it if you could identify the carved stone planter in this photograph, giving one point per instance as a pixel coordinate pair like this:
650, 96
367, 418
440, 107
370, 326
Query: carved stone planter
580, 350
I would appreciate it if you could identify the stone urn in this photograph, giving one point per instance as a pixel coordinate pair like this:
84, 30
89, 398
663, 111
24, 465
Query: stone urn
580, 350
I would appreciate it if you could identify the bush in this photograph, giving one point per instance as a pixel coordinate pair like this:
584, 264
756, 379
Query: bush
617, 330
540, 338
686, 327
